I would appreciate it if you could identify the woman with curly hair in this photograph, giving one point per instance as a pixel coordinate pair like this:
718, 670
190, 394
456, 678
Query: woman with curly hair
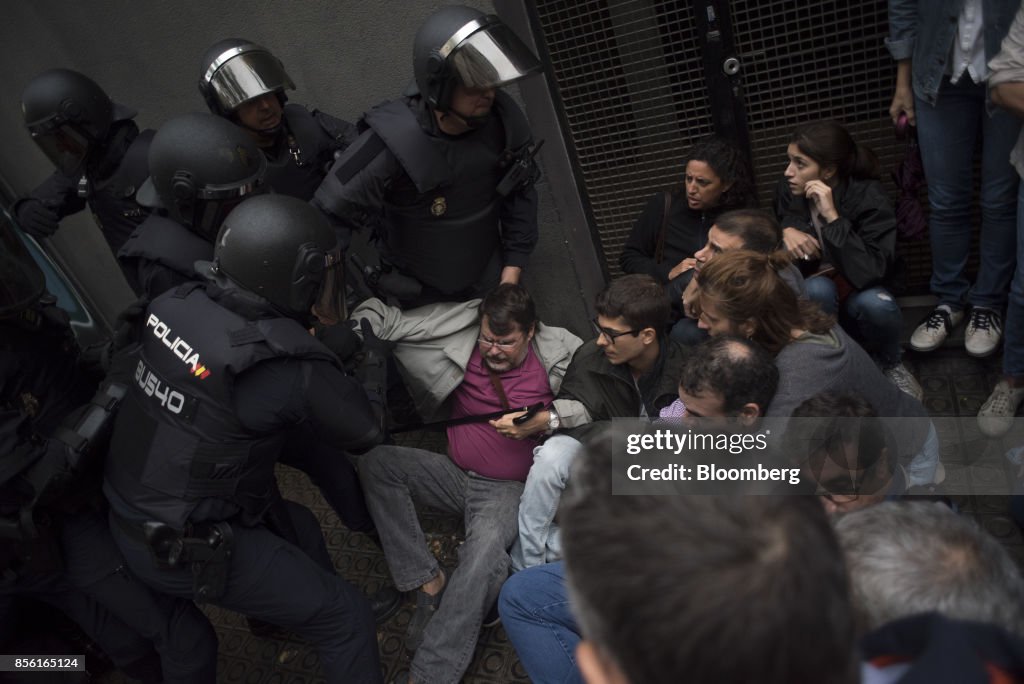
674, 225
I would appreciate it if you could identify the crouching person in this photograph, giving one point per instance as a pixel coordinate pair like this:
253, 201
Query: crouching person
223, 369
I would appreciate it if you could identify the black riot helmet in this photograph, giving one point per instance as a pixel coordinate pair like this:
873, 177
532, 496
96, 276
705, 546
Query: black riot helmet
236, 70
69, 116
465, 46
21, 281
285, 251
201, 167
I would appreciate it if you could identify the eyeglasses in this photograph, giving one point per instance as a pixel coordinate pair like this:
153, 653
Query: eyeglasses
501, 346
612, 335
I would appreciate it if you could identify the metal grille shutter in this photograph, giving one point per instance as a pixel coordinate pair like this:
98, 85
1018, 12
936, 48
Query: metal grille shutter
630, 76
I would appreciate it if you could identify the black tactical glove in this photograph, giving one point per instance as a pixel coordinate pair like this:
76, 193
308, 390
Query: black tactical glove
36, 219
340, 339
127, 329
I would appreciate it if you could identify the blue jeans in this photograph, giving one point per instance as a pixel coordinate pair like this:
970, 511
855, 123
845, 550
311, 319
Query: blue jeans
921, 469
871, 316
540, 539
1013, 340
948, 133
534, 609
686, 332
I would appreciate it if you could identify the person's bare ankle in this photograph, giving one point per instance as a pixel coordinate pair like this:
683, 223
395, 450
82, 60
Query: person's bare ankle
435, 585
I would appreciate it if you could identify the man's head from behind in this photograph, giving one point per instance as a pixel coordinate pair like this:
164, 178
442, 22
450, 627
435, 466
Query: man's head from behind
728, 377
907, 558
631, 314
508, 322
703, 588
751, 229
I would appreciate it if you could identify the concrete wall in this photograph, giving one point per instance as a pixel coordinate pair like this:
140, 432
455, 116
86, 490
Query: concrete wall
343, 56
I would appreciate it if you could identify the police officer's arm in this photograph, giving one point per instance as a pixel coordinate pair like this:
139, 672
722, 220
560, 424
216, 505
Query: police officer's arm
281, 393
422, 325
352, 193
343, 132
41, 211
519, 232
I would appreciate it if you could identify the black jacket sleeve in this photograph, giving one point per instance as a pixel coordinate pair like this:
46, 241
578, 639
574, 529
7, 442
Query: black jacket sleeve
638, 253
281, 393
519, 231
862, 241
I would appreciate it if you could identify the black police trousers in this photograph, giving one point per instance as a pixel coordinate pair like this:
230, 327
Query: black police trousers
275, 581
117, 611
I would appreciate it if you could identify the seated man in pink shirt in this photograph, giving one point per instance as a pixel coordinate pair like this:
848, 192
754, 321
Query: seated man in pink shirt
460, 360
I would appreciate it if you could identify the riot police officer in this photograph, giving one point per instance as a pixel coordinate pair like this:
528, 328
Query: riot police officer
98, 150
223, 370
202, 167
245, 83
55, 542
448, 169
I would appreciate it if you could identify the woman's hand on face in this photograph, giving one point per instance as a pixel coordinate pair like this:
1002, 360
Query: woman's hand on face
821, 194
799, 244
682, 267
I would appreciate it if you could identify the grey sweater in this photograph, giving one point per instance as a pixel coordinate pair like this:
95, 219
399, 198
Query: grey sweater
835, 363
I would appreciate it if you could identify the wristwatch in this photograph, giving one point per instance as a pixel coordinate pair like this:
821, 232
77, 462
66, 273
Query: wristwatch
553, 420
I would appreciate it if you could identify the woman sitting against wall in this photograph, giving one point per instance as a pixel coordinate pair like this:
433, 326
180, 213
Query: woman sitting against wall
838, 223
674, 224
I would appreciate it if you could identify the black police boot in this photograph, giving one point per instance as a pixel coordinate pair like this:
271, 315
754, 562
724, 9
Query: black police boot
385, 603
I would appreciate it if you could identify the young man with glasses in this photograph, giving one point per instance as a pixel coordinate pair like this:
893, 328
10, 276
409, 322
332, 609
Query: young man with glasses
629, 370
460, 360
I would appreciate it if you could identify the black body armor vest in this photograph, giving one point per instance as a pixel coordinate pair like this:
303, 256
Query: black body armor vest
305, 156
442, 217
162, 245
179, 454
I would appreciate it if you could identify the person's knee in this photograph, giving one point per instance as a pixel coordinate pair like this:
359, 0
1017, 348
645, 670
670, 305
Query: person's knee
514, 595
554, 458
877, 305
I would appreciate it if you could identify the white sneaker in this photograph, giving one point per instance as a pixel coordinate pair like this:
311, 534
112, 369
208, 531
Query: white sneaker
901, 376
934, 330
984, 331
996, 415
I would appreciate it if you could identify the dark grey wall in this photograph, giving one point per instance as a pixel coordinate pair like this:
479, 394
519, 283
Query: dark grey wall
343, 56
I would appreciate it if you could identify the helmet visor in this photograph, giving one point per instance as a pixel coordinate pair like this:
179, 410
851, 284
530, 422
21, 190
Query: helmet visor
237, 76
66, 147
490, 57
330, 306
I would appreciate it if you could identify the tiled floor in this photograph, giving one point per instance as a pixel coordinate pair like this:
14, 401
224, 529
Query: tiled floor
955, 385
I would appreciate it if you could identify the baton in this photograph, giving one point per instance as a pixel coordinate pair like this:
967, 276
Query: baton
531, 411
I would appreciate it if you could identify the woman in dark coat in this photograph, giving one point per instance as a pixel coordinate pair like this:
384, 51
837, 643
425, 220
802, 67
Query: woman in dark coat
674, 224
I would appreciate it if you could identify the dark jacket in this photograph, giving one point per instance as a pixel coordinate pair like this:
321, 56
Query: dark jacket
687, 232
861, 243
931, 648
608, 391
